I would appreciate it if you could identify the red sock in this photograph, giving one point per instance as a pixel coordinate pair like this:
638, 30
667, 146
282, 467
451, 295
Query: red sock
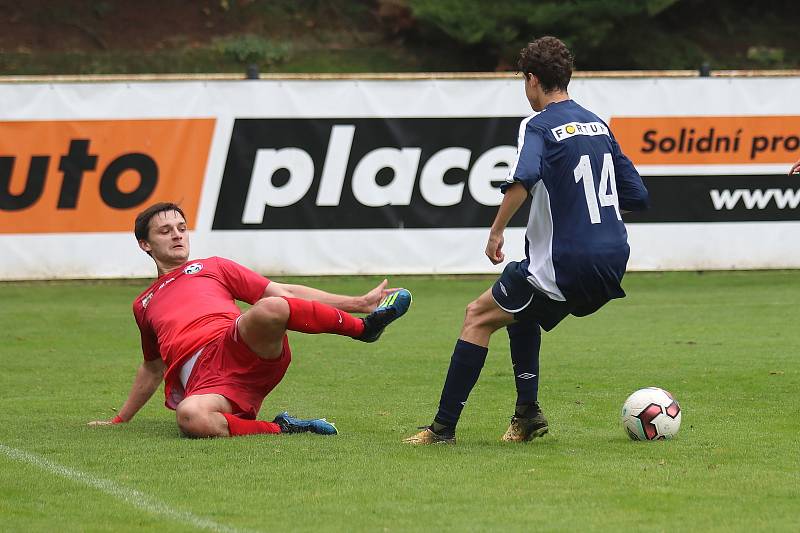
315, 317
239, 426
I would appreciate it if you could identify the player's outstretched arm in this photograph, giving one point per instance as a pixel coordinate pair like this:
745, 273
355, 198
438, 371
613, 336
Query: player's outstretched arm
147, 380
365, 303
795, 168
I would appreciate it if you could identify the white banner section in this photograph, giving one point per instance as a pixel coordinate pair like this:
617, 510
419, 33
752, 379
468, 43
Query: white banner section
352, 176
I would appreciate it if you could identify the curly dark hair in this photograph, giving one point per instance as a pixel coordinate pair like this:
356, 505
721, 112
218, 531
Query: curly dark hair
141, 227
549, 59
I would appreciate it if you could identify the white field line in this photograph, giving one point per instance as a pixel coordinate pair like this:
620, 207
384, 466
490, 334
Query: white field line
130, 496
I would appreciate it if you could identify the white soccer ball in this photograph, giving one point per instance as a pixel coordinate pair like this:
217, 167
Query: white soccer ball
651, 414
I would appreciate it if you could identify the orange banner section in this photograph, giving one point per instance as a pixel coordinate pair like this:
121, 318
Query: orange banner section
96, 175
708, 140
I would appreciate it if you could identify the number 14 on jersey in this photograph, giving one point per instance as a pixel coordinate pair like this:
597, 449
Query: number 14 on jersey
607, 182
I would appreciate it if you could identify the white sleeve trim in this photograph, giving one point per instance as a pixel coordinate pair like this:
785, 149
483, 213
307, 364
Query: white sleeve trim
520, 141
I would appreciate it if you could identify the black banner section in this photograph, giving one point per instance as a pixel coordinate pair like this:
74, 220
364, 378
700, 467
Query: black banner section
432, 173
365, 173
725, 198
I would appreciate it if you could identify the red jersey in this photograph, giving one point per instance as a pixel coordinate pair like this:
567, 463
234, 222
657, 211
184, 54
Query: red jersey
187, 308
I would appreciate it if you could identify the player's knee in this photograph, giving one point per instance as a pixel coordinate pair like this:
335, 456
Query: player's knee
271, 311
481, 316
475, 314
193, 421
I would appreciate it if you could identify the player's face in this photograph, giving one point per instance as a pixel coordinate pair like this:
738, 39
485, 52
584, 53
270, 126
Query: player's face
167, 238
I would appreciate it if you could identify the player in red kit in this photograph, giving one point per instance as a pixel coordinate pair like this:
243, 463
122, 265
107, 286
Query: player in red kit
217, 363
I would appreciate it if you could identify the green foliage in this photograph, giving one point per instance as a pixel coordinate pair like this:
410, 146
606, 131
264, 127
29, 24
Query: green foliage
617, 34
110, 37
505, 24
766, 56
248, 48
655, 7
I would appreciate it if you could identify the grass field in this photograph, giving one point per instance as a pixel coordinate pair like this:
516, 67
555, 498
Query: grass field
726, 345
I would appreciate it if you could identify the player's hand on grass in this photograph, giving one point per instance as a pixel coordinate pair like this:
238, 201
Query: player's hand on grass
110, 422
795, 168
101, 423
494, 248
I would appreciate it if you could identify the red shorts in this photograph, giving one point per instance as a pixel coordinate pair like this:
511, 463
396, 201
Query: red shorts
227, 366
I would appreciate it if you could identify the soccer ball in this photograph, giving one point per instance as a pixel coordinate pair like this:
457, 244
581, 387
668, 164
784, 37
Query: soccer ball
651, 414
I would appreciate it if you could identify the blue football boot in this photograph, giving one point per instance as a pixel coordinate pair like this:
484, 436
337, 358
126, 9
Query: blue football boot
392, 307
290, 424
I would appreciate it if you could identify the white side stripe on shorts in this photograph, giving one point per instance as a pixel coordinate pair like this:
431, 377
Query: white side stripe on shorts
188, 366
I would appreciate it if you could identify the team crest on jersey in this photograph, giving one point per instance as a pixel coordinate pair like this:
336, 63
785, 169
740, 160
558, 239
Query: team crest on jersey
146, 300
194, 268
571, 129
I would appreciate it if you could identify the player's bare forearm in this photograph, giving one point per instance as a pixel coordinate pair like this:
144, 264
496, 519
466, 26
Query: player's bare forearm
351, 304
512, 200
148, 378
338, 301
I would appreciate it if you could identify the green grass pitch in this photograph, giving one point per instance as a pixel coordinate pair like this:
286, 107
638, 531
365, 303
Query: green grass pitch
725, 344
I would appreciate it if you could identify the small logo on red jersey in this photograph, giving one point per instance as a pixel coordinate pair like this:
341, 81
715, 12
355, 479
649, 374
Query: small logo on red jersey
194, 268
146, 300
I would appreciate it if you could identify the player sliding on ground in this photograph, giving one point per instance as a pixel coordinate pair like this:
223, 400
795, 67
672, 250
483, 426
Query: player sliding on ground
217, 363
576, 247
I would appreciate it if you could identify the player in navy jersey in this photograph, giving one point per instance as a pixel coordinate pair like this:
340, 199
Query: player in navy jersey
576, 246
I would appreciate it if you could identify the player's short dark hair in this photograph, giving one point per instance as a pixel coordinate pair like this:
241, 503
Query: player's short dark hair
549, 59
142, 225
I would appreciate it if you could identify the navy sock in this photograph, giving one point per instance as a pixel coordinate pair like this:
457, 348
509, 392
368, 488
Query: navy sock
525, 339
465, 368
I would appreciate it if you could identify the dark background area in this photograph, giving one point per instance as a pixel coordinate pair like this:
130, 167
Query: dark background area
191, 36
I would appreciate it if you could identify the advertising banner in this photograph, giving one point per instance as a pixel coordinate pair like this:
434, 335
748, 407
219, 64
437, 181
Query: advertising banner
358, 176
313, 174
85, 176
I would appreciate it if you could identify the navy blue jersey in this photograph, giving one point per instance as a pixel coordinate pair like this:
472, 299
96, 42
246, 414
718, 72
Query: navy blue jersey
576, 245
